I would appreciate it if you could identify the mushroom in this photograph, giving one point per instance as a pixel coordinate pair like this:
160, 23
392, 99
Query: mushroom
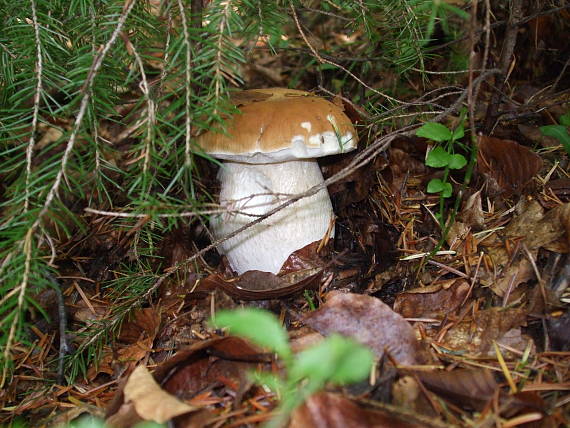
270, 150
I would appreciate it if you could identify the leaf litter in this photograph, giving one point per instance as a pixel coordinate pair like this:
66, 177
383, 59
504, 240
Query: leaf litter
478, 336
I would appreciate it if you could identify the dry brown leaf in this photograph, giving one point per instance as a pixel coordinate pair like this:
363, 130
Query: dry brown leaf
471, 388
476, 336
151, 402
144, 325
326, 410
507, 163
222, 363
432, 301
472, 211
535, 230
371, 322
257, 285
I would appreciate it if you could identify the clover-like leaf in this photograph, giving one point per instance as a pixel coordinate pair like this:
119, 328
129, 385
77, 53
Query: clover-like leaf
457, 161
434, 131
257, 325
459, 132
438, 157
337, 359
435, 185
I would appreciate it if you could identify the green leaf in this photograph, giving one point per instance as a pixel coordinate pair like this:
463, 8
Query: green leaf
565, 119
438, 157
435, 185
434, 131
269, 380
459, 132
336, 359
260, 326
447, 190
457, 161
559, 132
355, 366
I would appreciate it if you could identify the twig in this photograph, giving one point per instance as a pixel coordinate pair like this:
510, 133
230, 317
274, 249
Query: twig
21, 295
505, 62
62, 322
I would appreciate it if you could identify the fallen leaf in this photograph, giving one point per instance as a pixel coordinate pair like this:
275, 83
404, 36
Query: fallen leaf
327, 410
371, 322
535, 230
507, 163
221, 363
432, 301
476, 336
150, 400
471, 388
472, 211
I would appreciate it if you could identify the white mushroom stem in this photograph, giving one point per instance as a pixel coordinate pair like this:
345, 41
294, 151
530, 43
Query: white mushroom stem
255, 189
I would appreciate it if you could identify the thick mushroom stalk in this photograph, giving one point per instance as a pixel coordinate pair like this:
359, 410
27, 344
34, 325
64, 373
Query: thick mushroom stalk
255, 189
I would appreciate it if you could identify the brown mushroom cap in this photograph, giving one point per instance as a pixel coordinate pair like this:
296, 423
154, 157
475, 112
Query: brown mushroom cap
279, 124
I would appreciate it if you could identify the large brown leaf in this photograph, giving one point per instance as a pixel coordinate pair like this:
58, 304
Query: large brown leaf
326, 410
506, 163
371, 322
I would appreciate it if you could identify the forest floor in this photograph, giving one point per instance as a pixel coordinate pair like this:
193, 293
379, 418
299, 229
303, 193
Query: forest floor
469, 320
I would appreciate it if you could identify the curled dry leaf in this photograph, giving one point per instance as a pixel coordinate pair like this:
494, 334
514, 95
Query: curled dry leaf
302, 269
532, 228
371, 322
472, 211
507, 163
221, 363
432, 301
467, 387
257, 285
326, 410
151, 402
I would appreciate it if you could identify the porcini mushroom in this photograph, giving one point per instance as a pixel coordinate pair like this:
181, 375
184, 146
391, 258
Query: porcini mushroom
270, 150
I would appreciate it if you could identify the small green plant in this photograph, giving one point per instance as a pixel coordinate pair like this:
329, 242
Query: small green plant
560, 132
443, 156
336, 359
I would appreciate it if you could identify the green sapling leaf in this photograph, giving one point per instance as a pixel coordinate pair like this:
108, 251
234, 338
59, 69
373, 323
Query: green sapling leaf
565, 119
438, 157
270, 380
457, 161
336, 359
260, 326
434, 131
435, 185
559, 132
355, 366
459, 132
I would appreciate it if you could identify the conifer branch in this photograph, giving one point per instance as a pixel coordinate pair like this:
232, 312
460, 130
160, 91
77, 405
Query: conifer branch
188, 86
35, 115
